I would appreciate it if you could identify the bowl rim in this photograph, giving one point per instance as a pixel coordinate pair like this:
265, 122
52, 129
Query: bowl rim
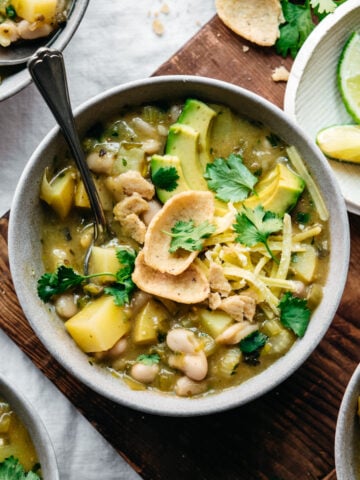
345, 461
258, 385
34, 425
302, 59
76, 14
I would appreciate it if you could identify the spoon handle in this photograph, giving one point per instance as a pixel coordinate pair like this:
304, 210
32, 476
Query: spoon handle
47, 69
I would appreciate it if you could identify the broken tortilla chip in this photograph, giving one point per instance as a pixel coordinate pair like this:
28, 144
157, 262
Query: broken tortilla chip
189, 287
197, 206
256, 20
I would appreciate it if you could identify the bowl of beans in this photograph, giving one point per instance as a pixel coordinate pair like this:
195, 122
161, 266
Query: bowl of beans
25, 445
220, 271
34, 22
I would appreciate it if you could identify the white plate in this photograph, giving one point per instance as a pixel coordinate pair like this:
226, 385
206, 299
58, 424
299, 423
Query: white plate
312, 98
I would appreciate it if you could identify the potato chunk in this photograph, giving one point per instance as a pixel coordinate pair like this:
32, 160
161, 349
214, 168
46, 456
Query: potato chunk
99, 325
59, 192
148, 323
214, 322
35, 10
103, 260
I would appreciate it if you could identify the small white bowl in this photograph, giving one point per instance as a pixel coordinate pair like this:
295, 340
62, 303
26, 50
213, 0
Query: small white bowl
312, 98
347, 436
25, 251
34, 425
17, 78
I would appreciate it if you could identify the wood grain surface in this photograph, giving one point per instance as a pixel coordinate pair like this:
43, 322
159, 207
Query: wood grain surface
285, 435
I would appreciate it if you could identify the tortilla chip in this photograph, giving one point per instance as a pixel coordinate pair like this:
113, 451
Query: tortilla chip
256, 20
190, 205
189, 287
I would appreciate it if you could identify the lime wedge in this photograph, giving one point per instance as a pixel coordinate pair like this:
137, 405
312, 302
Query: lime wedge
341, 142
348, 76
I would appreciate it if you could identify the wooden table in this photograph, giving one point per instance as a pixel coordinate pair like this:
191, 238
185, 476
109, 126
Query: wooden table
287, 434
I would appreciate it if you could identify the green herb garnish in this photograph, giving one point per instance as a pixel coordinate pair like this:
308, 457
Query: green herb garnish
10, 11
253, 342
148, 359
166, 178
11, 469
299, 23
188, 236
65, 278
294, 313
230, 178
255, 226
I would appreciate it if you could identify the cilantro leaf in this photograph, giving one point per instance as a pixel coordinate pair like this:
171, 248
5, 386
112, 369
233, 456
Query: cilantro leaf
166, 178
57, 282
298, 25
148, 359
188, 236
323, 6
253, 342
255, 226
230, 178
11, 469
294, 313
65, 278
121, 291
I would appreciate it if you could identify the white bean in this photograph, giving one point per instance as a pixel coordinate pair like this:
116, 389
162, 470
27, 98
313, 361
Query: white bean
100, 163
185, 387
194, 365
151, 146
182, 340
118, 348
143, 127
144, 373
29, 31
65, 305
8, 33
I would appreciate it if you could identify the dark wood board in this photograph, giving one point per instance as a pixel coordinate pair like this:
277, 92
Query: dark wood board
286, 434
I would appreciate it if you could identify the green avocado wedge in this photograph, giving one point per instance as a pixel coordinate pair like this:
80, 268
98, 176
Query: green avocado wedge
183, 142
278, 191
161, 163
200, 117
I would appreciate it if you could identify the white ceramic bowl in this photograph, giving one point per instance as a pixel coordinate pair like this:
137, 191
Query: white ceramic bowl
34, 426
25, 252
312, 98
17, 78
347, 436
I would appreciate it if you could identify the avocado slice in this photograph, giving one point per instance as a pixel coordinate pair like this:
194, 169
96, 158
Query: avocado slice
163, 161
199, 116
183, 142
278, 191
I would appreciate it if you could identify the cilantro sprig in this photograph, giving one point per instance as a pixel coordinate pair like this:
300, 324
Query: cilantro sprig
299, 23
294, 313
11, 469
251, 346
253, 342
187, 235
149, 359
230, 178
65, 278
255, 226
166, 178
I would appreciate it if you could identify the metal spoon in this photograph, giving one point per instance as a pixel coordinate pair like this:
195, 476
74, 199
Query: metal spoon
47, 70
19, 53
